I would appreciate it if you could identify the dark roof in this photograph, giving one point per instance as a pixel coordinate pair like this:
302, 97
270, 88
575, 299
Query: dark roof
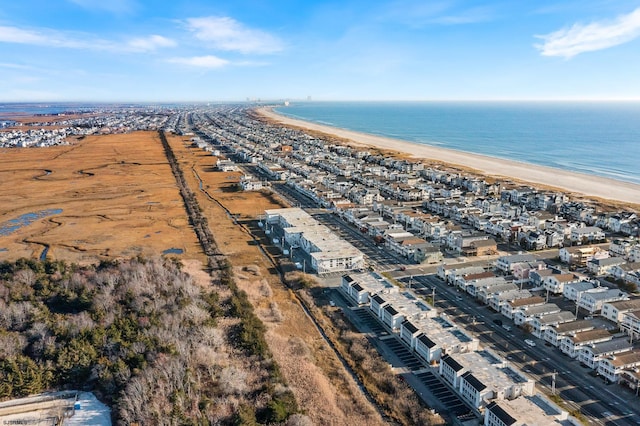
473, 381
378, 299
501, 414
347, 278
429, 343
450, 362
357, 287
390, 309
409, 326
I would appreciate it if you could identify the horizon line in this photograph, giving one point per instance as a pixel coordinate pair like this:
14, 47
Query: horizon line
303, 100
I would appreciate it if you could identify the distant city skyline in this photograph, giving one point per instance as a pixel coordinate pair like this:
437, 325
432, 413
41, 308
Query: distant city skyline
206, 51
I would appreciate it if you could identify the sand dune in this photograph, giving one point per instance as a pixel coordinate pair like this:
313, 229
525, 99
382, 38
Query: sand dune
579, 183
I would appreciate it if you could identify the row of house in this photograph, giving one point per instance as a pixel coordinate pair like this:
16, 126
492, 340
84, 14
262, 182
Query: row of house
345, 178
483, 380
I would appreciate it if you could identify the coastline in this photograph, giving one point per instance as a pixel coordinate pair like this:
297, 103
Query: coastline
589, 186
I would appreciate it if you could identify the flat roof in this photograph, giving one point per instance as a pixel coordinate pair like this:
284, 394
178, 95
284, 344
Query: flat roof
527, 411
490, 369
442, 332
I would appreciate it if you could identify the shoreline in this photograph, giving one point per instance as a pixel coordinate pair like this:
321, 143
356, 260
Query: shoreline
582, 184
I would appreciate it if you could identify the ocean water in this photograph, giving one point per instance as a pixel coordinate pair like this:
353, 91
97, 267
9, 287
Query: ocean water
599, 138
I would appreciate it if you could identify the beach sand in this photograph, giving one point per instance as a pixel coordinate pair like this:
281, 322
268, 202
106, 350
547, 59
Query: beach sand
589, 186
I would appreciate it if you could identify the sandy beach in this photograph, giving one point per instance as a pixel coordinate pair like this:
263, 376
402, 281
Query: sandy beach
572, 182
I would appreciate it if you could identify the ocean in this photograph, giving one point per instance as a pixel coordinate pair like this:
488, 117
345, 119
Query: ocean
599, 138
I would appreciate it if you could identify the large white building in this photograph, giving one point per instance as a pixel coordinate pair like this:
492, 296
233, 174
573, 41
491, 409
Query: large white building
327, 251
481, 377
524, 411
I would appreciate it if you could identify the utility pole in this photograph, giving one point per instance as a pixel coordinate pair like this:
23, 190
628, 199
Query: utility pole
553, 382
433, 296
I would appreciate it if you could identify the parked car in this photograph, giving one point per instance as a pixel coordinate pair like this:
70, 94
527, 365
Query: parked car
530, 342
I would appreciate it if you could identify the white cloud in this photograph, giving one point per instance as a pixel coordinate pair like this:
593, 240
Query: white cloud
226, 33
18, 35
72, 40
597, 35
208, 61
150, 43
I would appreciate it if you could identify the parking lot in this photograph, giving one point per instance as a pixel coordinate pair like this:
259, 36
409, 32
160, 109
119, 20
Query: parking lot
402, 356
445, 395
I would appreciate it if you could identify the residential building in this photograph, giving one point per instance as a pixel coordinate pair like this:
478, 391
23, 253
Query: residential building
592, 300
571, 344
327, 251
613, 311
579, 256
506, 263
586, 235
527, 314
524, 411
572, 291
591, 355
497, 300
555, 334
540, 323
630, 324
511, 306
481, 376
555, 283
604, 266
432, 337
612, 367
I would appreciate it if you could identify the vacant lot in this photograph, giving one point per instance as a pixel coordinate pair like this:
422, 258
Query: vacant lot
104, 197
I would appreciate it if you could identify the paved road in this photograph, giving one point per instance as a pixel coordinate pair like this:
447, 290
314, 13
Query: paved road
602, 404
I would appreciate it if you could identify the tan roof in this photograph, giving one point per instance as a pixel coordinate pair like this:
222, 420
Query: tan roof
535, 300
412, 241
478, 276
484, 243
626, 305
564, 278
627, 359
591, 335
574, 326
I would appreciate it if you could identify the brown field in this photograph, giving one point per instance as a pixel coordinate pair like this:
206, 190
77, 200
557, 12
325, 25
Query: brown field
117, 195
119, 199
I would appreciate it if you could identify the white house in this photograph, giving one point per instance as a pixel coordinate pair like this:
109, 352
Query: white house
573, 290
592, 300
542, 322
611, 368
555, 282
587, 234
555, 334
603, 266
613, 311
524, 411
571, 344
591, 355
528, 313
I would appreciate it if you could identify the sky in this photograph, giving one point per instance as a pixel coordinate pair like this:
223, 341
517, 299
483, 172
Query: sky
210, 50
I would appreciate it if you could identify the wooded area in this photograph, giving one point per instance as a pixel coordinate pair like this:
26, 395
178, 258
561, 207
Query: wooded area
155, 346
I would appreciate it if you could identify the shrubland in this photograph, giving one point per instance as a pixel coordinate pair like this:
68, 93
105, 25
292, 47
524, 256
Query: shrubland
142, 335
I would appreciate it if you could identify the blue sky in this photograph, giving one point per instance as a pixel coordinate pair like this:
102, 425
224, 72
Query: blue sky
209, 50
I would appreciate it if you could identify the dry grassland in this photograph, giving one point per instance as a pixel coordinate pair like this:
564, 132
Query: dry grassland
323, 389
117, 195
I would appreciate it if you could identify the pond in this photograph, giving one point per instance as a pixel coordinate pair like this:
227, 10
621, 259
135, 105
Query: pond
173, 250
12, 225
